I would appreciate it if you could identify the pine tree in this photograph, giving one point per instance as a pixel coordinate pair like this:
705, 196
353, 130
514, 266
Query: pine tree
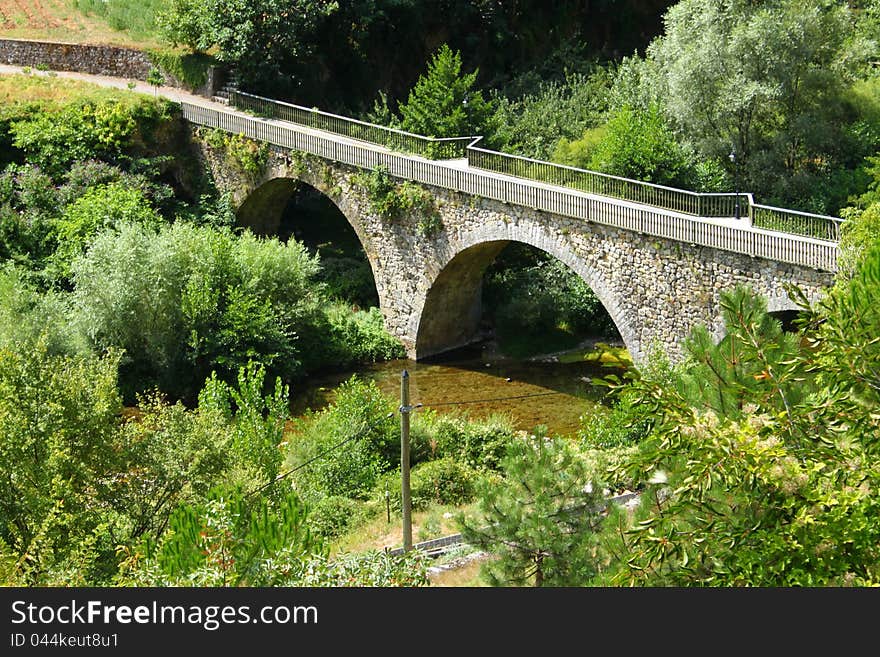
443, 102
540, 521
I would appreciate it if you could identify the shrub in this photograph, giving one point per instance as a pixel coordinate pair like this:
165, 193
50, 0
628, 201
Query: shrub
191, 299
99, 208
58, 419
354, 337
350, 280
479, 444
444, 481
343, 449
624, 424
229, 539
334, 515
28, 316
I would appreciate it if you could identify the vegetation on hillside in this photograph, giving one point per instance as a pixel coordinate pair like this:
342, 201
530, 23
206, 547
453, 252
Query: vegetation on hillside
149, 346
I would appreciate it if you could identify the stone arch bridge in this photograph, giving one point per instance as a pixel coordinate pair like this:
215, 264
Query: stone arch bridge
657, 258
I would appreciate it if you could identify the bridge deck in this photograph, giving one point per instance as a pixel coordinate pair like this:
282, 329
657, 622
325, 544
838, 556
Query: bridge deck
458, 174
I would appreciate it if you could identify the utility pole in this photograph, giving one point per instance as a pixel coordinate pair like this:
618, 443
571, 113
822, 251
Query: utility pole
406, 502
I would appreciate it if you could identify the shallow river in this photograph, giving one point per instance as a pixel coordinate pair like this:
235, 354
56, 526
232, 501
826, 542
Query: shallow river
532, 392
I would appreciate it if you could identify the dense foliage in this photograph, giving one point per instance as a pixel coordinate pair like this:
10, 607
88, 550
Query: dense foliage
124, 281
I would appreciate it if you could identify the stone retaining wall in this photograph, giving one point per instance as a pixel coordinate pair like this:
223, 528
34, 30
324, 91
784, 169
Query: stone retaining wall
112, 61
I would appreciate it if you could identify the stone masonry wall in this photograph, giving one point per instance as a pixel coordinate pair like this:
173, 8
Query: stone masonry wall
94, 59
656, 290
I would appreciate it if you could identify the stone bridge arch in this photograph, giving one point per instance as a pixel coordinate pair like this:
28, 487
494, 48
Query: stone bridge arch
451, 310
429, 282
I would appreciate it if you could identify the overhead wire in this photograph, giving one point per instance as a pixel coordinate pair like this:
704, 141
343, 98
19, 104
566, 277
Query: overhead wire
363, 432
322, 454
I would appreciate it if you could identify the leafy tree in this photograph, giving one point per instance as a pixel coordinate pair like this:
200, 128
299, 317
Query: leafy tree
443, 102
356, 435
261, 39
534, 124
99, 208
639, 145
773, 484
58, 418
189, 300
155, 79
540, 521
229, 539
765, 79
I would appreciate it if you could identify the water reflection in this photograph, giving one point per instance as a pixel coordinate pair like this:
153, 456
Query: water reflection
554, 394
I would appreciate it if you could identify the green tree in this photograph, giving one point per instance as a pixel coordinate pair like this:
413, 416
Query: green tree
261, 39
540, 521
344, 449
99, 208
641, 146
443, 102
58, 419
765, 79
534, 124
189, 300
155, 79
228, 539
777, 485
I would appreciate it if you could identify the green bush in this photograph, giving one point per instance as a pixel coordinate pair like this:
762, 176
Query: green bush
334, 515
639, 145
106, 129
534, 124
343, 449
29, 316
478, 444
444, 481
624, 424
190, 68
529, 293
228, 539
99, 208
354, 337
192, 299
350, 280
58, 419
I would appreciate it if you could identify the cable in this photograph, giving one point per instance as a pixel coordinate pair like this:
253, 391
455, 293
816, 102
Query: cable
363, 431
359, 434
492, 399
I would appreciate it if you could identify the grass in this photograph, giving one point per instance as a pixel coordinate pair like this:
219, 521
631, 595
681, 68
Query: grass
23, 88
128, 23
377, 533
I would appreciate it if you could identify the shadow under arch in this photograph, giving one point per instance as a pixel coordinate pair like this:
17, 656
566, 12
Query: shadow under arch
287, 207
452, 309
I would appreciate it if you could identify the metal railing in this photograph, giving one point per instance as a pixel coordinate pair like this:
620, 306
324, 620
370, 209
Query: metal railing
738, 237
798, 223
709, 205
593, 182
396, 140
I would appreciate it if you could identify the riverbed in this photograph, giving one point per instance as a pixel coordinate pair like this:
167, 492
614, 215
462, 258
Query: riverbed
552, 390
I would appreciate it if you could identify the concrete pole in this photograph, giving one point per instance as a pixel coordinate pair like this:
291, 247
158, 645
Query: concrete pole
406, 501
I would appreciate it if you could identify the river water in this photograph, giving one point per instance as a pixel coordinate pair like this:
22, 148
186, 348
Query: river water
543, 391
